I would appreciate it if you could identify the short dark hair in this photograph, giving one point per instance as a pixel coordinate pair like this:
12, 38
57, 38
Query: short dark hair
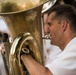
67, 12
69, 2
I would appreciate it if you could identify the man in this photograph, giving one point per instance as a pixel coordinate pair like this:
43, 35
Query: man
5, 42
50, 51
62, 30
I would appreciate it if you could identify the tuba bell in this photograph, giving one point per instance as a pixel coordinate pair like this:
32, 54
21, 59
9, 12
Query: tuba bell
23, 20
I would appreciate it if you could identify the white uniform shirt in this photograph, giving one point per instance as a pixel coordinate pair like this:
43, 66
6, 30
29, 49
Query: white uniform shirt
50, 51
2, 67
65, 62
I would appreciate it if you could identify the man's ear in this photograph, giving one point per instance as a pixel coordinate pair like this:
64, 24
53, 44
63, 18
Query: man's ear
64, 25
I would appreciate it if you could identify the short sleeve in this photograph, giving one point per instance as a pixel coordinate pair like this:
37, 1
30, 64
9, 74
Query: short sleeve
64, 64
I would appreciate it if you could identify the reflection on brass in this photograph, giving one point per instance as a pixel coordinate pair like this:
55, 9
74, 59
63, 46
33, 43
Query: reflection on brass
19, 5
23, 40
23, 20
9, 7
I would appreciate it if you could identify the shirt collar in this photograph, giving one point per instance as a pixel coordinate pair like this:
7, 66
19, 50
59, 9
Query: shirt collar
71, 43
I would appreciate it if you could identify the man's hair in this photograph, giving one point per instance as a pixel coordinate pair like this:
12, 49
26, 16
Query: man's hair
66, 12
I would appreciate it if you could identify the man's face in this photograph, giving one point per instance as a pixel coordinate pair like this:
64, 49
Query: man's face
45, 16
55, 29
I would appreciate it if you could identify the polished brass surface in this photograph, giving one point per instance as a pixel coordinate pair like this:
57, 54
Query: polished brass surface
23, 40
14, 6
23, 19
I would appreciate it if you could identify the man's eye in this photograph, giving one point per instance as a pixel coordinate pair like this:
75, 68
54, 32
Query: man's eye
49, 24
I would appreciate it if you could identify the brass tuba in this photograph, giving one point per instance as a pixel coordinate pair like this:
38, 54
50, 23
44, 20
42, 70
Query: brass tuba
23, 19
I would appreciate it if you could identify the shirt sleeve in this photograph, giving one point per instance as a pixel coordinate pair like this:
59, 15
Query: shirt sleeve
65, 64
